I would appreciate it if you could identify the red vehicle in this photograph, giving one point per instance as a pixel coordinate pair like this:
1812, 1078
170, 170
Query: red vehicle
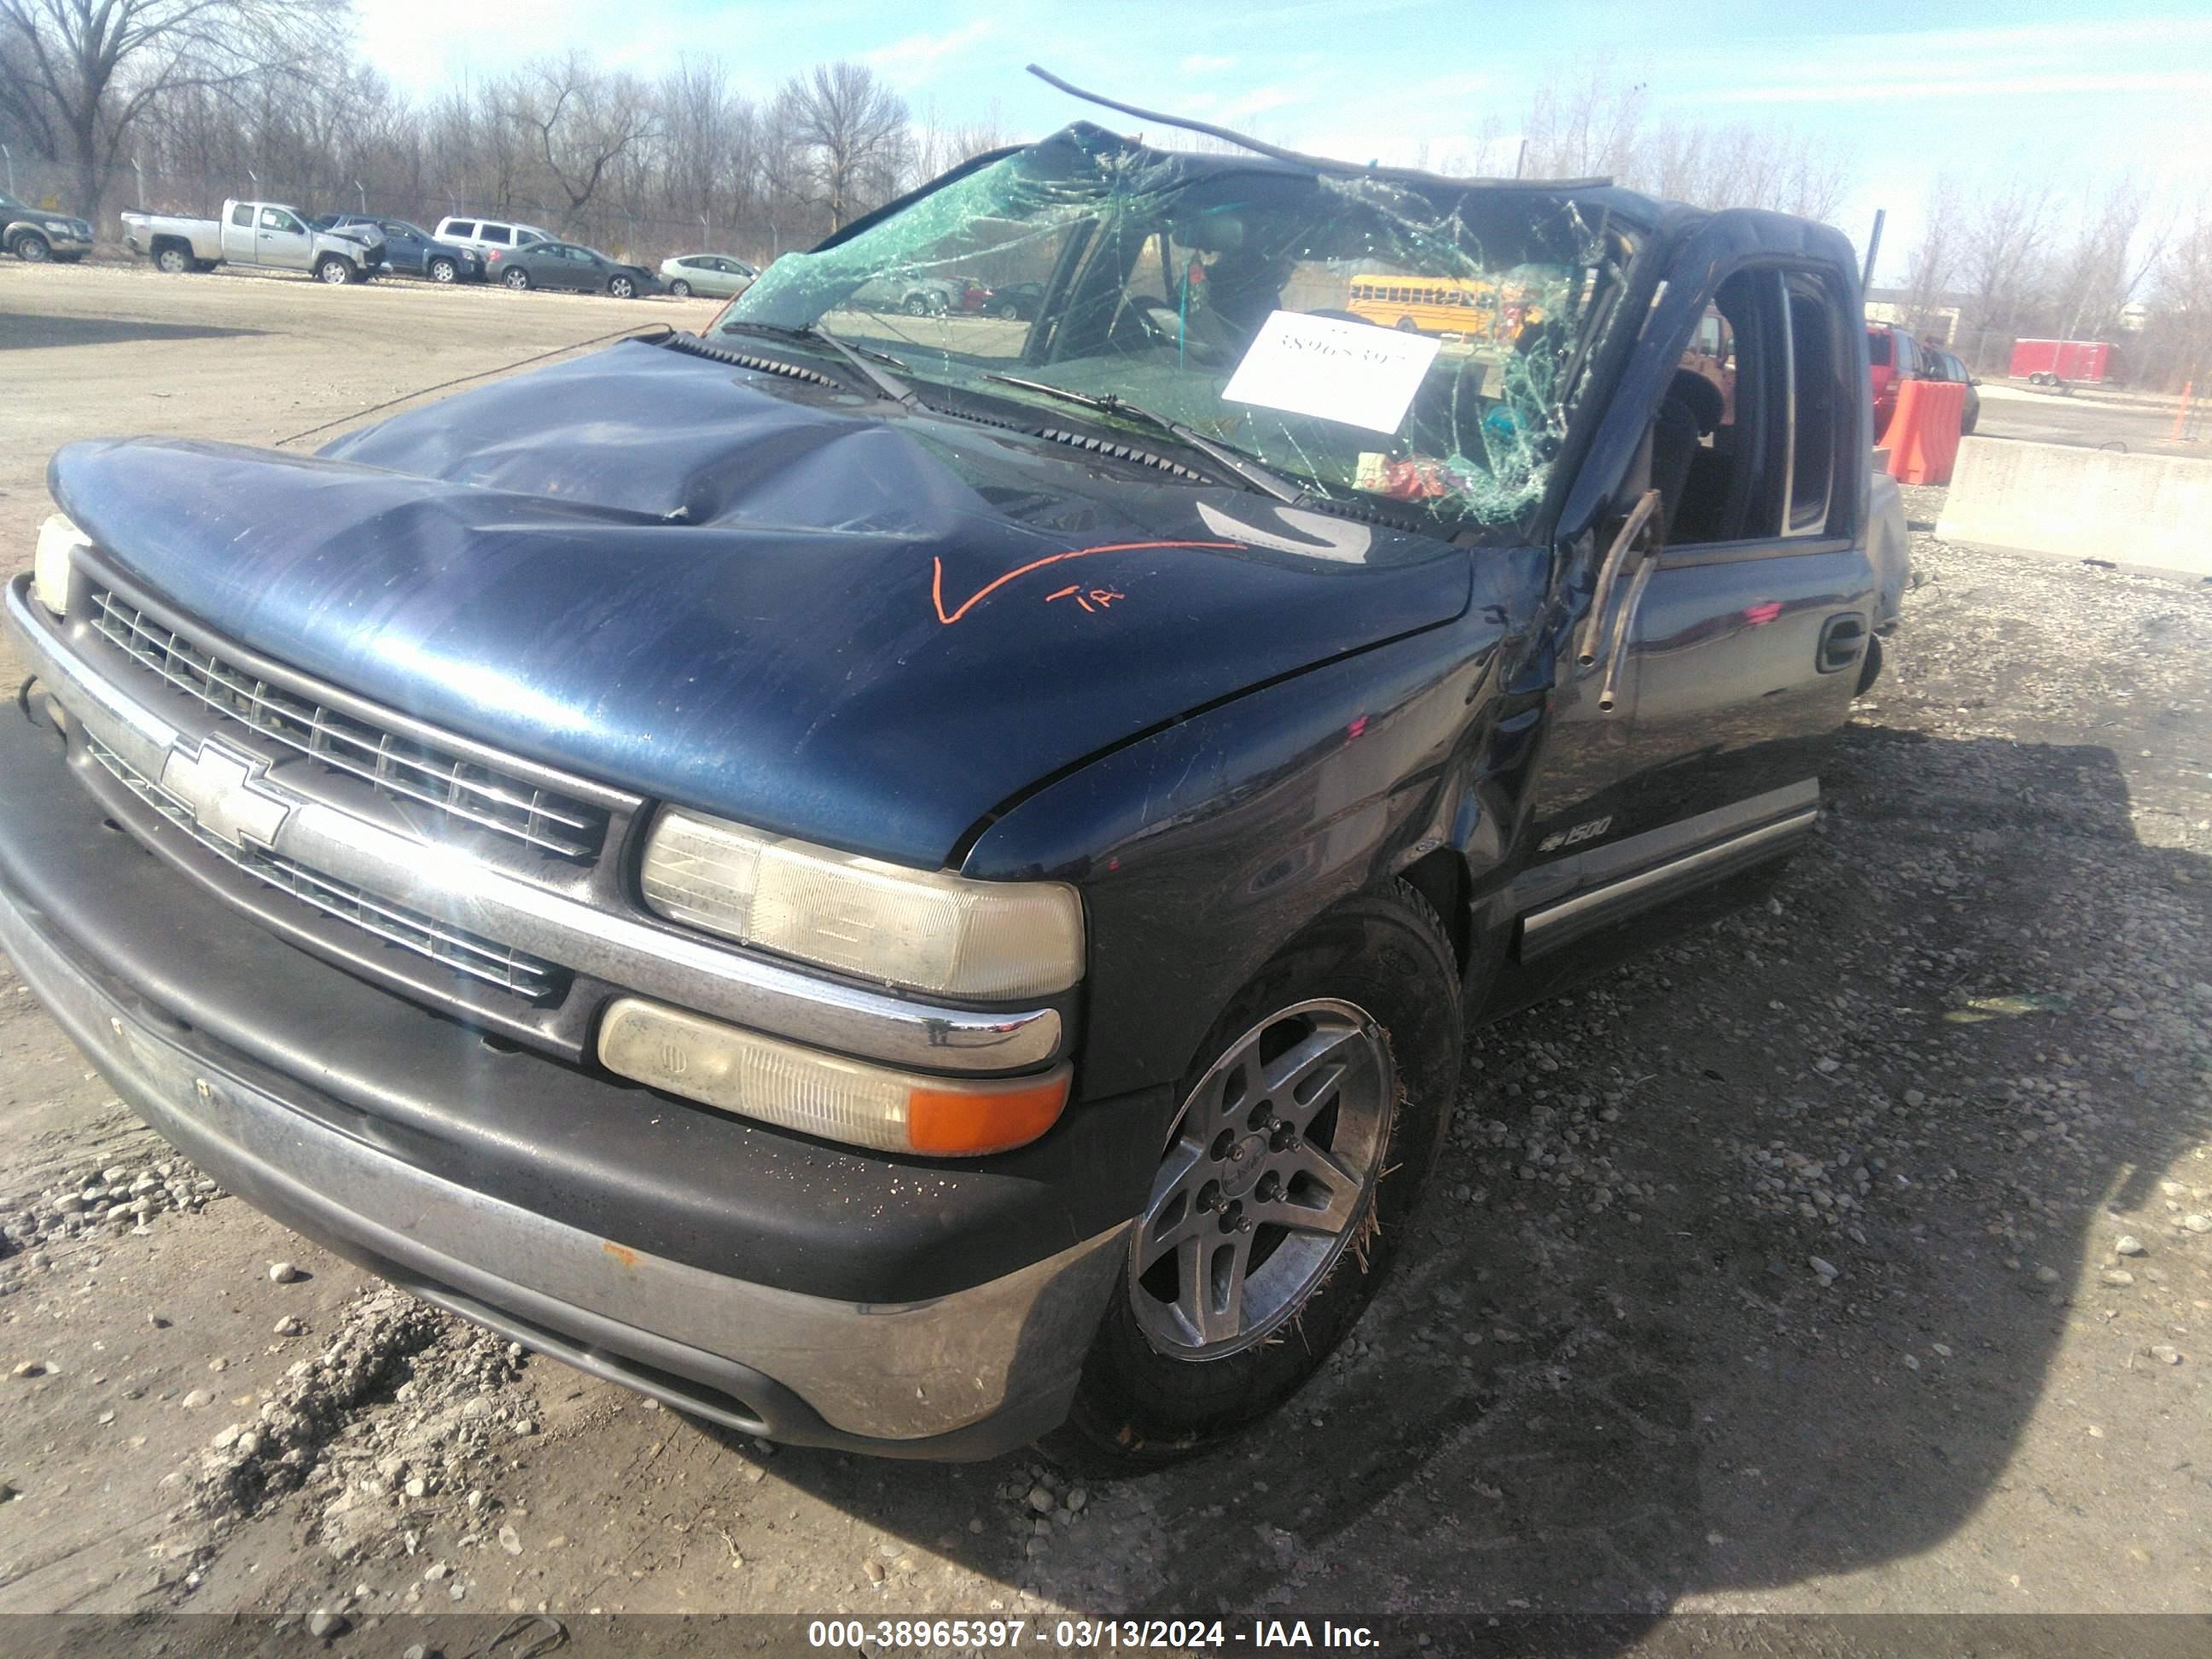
2047, 362
1893, 356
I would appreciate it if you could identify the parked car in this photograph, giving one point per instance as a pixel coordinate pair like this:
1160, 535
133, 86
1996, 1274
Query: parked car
909, 899
35, 235
490, 235
1015, 301
908, 291
410, 251
267, 233
717, 276
1894, 357
570, 265
1938, 363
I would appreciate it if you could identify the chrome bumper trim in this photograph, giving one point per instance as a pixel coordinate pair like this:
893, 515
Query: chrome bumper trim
884, 1371
621, 950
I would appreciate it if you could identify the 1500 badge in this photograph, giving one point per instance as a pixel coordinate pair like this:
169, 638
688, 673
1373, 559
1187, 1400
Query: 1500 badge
1576, 836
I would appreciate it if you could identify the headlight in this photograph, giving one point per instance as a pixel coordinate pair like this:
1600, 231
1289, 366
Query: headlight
820, 1094
928, 930
59, 541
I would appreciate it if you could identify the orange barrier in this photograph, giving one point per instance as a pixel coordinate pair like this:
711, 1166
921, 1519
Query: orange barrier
1922, 437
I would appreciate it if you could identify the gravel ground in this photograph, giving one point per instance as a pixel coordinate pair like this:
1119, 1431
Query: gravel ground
1853, 1253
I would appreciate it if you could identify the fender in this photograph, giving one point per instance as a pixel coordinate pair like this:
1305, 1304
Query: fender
1203, 848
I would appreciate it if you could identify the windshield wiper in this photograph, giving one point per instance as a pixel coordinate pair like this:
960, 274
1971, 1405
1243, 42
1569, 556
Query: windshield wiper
1230, 460
895, 390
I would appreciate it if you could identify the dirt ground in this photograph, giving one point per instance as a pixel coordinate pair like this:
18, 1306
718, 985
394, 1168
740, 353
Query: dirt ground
1851, 1254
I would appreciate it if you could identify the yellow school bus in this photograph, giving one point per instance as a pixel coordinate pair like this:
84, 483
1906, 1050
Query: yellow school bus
1462, 305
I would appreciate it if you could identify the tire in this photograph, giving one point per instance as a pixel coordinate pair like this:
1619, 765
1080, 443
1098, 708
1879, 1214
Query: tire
442, 270
516, 278
1408, 325
32, 249
334, 271
680, 288
1371, 989
1870, 669
917, 304
1010, 311
173, 260
621, 288
1967, 426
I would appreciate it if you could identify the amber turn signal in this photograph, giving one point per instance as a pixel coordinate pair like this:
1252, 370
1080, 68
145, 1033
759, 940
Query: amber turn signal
761, 1077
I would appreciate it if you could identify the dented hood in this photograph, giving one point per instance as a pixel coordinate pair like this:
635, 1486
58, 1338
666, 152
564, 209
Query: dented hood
830, 617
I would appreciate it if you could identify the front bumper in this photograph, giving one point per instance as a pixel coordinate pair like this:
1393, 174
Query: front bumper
65, 244
922, 1311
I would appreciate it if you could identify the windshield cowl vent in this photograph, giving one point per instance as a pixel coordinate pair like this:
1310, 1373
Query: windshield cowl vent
693, 346
789, 371
1121, 453
1337, 506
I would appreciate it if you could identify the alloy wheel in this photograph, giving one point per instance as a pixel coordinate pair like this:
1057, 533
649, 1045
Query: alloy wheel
1266, 1182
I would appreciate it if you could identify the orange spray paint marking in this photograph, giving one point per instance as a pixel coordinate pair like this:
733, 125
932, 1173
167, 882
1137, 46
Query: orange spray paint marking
937, 575
621, 1253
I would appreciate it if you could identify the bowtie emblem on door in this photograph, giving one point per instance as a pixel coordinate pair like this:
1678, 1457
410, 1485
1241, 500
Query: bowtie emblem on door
226, 790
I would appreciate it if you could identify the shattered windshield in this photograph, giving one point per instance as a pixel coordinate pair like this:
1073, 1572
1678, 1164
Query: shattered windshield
1415, 341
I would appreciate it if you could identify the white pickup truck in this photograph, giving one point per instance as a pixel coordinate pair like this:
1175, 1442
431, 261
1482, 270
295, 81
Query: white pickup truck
267, 233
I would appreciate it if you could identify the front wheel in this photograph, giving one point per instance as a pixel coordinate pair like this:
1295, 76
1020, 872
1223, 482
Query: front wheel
173, 260
680, 288
1010, 311
917, 304
335, 271
518, 279
621, 288
33, 248
442, 270
1309, 1120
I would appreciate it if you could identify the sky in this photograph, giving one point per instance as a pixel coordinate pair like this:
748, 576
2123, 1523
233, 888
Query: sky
2082, 90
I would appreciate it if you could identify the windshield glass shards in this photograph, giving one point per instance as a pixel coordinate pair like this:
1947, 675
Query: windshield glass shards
1358, 335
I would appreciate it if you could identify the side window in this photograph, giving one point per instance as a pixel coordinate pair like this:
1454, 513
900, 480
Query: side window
1817, 400
277, 219
1878, 348
242, 215
1908, 356
465, 229
498, 234
1719, 444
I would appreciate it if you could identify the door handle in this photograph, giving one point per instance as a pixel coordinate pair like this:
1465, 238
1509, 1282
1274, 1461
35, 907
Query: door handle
1842, 639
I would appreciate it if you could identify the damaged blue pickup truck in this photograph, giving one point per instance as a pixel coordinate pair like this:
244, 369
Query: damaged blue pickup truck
918, 882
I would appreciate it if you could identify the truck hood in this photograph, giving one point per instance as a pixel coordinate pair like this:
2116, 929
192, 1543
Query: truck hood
826, 616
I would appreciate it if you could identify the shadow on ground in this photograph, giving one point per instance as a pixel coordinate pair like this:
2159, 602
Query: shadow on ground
1586, 1403
20, 332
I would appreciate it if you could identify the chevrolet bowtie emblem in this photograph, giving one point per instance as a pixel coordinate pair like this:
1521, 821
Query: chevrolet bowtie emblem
225, 789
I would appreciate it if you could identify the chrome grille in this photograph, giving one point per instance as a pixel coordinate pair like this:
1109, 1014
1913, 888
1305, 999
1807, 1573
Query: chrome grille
396, 924
398, 766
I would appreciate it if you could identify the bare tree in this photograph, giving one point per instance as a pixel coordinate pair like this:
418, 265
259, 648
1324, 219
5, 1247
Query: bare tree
90, 69
2107, 261
1935, 256
583, 123
2003, 243
852, 128
1585, 128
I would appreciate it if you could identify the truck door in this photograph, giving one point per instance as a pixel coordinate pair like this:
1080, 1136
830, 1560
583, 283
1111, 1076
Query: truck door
280, 241
1726, 641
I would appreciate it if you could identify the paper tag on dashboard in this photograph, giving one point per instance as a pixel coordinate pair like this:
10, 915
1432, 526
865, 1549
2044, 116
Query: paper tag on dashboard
1353, 372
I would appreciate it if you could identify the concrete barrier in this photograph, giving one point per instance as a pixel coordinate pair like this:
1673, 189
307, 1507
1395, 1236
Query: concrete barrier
2154, 511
